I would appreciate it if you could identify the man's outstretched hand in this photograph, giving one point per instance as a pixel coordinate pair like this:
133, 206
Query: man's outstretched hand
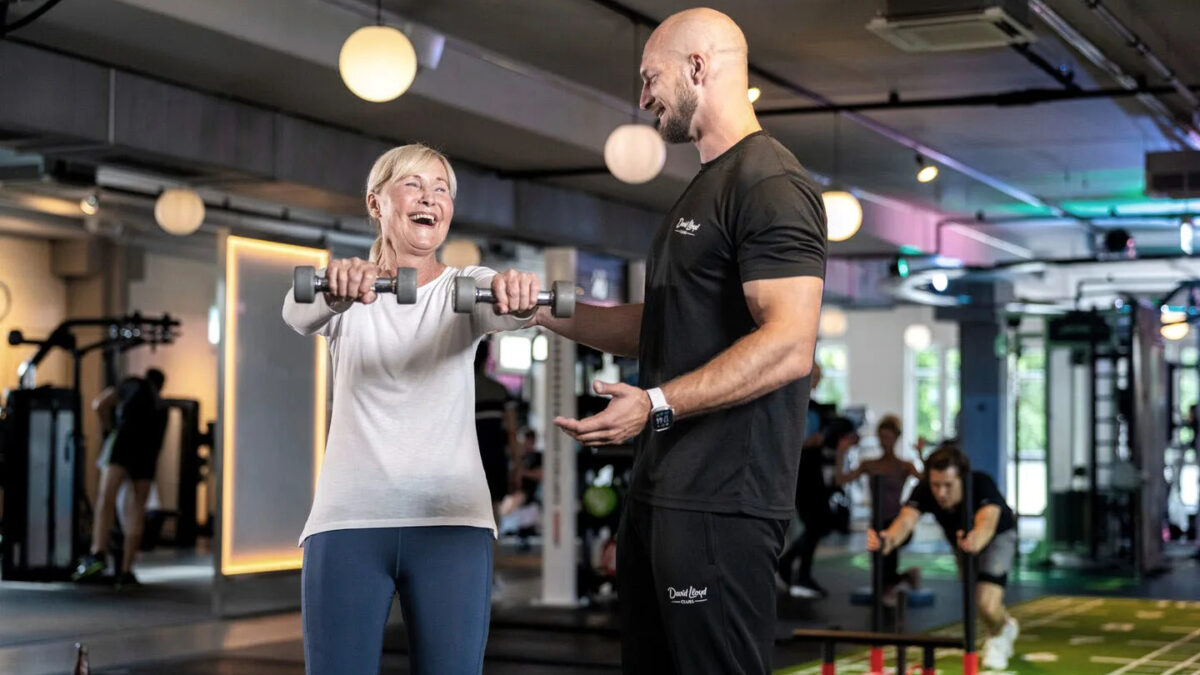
624, 418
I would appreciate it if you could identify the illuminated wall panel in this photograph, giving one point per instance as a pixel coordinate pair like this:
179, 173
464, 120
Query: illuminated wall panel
273, 410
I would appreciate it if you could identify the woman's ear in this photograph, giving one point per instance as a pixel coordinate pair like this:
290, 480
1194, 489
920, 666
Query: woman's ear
373, 206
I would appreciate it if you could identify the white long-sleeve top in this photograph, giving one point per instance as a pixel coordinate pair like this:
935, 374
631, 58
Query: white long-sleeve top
402, 449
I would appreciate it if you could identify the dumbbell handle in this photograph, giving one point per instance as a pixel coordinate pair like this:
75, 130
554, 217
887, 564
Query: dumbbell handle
486, 295
382, 284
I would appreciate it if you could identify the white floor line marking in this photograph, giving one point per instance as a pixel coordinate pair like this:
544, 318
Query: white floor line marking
1189, 662
1165, 648
1118, 660
1076, 609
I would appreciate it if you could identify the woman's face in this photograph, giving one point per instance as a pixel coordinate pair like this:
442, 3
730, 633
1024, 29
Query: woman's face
415, 210
887, 438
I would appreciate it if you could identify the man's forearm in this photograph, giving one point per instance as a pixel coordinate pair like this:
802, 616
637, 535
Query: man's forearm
614, 330
986, 520
903, 525
758, 364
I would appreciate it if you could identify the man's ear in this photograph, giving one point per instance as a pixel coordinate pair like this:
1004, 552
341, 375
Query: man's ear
697, 68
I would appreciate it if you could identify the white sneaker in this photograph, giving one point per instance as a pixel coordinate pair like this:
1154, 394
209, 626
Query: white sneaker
994, 656
1008, 636
801, 591
1011, 630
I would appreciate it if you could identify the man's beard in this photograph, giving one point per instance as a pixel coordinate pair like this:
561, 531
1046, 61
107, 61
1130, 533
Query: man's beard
676, 127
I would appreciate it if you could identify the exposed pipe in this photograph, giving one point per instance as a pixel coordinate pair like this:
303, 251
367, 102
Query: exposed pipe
1063, 76
1093, 224
1183, 134
1019, 97
220, 214
1139, 45
1110, 280
29, 18
878, 127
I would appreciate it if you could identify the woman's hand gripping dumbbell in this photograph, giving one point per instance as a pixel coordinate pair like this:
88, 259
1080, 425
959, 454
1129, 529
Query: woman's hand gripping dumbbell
353, 279
560, 299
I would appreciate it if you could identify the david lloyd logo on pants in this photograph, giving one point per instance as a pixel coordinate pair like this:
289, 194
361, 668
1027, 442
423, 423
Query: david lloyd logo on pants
687, 596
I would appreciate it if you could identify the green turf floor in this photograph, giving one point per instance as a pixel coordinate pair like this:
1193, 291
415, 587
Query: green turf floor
1078, 636
941, 566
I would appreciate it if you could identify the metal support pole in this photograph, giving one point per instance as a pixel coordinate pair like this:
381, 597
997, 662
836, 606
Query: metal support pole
828, 659
970, 657
876, 574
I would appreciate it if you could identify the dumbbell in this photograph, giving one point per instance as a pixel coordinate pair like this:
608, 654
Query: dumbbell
306, 284
560, 297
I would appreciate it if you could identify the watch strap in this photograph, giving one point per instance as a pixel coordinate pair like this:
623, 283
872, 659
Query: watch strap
658, 400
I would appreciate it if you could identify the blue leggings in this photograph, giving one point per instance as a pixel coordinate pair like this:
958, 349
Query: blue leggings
443, 576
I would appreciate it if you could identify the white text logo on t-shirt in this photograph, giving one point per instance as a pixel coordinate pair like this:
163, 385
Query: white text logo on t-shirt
688, 227
687, 596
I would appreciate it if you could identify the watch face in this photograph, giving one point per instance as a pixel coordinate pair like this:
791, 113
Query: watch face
663, 419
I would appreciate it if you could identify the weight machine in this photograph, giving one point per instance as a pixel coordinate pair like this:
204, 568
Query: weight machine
41, 446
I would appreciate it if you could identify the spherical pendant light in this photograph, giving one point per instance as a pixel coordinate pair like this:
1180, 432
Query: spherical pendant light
918, 337
833, 322
460, 253
634, 153
377, 63
843, 214
179, 211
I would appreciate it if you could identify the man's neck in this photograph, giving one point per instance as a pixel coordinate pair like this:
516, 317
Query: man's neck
717, 136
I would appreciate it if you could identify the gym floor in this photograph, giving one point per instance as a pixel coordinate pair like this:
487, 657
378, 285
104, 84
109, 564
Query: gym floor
166, 625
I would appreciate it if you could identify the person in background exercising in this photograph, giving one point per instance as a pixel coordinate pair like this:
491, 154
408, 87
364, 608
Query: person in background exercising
133, 418
496, 428
893, 473
815, 485
993, 538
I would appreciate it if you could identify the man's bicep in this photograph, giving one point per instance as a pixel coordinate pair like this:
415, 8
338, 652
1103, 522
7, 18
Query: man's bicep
780, 231
787, 298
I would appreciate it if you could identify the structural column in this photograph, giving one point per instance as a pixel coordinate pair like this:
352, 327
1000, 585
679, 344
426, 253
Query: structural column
983, 376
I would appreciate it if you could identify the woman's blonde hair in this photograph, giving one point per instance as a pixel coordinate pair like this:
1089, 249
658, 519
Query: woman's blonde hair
401, 161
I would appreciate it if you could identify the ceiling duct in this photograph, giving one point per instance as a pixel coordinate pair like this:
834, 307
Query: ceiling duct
949, 25
1173, 174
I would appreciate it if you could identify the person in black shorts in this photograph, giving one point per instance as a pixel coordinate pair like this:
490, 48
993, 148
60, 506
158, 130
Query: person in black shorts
993, 538
134, 418
725, 342
815, 485
496, 427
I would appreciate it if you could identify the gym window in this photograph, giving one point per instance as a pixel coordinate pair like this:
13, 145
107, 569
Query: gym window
931, 392
833, 357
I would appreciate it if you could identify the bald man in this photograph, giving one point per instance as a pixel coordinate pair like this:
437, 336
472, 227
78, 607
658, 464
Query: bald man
725, 344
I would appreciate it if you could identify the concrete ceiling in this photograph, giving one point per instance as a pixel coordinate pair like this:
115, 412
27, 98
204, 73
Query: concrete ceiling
529, 85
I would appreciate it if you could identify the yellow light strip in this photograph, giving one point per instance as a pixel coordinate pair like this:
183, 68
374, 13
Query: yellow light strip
292, 559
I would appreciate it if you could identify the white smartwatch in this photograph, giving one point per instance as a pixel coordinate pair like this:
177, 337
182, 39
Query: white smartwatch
662, 415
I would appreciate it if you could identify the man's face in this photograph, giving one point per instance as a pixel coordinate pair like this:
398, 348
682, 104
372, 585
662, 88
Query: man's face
946, 486
667, 93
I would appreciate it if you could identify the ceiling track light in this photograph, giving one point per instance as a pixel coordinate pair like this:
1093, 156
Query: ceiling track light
926, 173
90, 204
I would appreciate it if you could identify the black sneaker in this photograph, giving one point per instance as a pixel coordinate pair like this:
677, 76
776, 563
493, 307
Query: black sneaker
88, 566
127, 580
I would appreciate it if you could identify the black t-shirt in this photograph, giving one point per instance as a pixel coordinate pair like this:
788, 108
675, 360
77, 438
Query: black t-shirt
752, 213
140, 420
814, 481
983, 492
491, 401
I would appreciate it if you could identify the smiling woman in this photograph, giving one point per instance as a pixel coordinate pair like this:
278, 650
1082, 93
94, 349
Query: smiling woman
402, 501
409, 186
